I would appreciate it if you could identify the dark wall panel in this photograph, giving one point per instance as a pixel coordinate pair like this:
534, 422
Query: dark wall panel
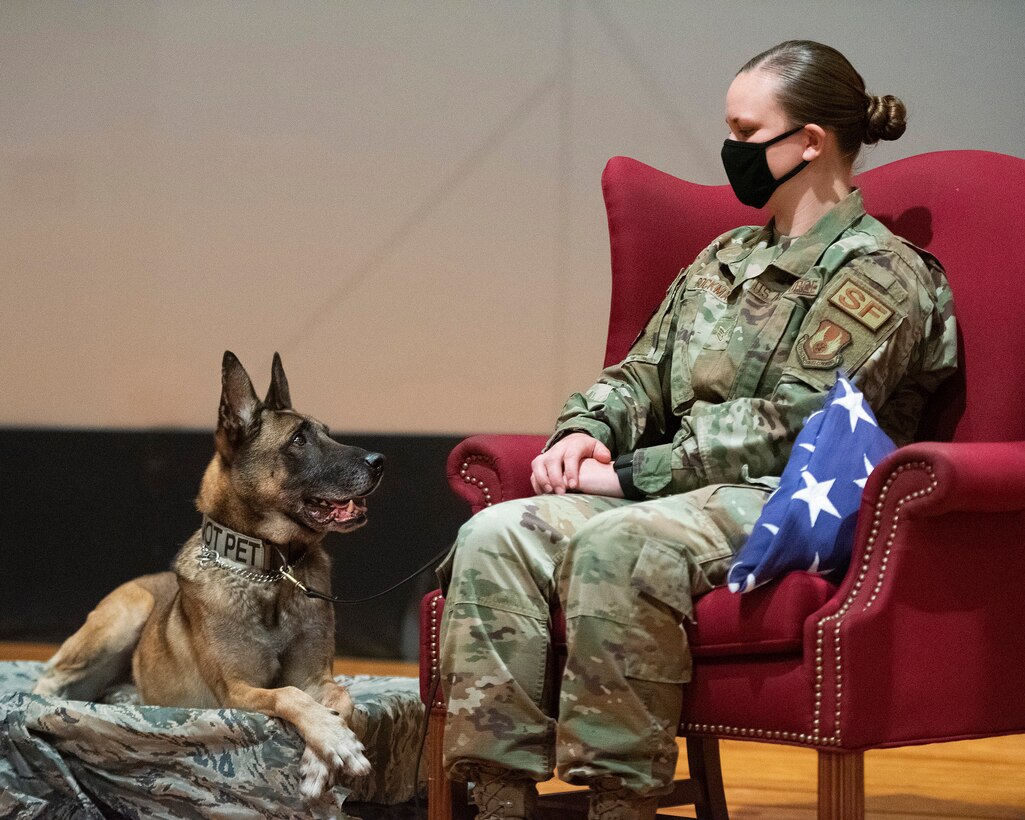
83, 511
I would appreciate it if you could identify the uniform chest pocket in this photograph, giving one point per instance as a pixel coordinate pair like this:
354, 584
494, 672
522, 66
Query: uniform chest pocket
763, 347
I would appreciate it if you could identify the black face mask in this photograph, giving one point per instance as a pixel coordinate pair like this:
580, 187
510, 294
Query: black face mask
748, 169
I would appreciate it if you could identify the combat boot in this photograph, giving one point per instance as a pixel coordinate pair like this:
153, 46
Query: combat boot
504, 795
620, 804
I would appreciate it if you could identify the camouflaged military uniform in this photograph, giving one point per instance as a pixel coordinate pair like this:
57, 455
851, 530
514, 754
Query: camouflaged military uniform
702, 414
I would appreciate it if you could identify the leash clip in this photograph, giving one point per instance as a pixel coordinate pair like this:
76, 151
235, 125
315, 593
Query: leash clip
286, 572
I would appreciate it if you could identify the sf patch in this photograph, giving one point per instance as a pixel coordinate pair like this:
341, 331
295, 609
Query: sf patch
823, 349
857, 302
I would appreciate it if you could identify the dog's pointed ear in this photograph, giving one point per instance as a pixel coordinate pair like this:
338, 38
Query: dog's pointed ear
239, 413
278, 397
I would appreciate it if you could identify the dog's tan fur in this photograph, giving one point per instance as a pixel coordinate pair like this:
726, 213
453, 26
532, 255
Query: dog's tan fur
202, 636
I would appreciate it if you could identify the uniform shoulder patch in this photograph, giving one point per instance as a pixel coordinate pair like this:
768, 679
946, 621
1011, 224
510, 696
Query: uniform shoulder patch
861, 304
823, 349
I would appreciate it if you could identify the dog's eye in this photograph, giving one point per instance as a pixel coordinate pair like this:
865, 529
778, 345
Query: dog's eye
299, 440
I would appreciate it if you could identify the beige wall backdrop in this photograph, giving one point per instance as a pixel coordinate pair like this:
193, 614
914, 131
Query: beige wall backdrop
402, 198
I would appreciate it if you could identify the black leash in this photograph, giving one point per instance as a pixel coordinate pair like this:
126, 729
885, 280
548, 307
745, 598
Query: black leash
286, 572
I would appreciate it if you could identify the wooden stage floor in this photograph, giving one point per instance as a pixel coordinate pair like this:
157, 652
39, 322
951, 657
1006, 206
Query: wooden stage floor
979, 779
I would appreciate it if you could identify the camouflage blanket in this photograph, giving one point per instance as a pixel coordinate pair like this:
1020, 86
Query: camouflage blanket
77, 759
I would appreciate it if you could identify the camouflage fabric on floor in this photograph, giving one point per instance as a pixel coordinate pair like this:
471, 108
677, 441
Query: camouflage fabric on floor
77, 759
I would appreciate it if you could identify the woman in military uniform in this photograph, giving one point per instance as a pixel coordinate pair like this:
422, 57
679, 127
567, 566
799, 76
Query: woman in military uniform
656, 474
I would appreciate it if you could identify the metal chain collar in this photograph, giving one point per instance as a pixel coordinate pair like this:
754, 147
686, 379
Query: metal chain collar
208, 556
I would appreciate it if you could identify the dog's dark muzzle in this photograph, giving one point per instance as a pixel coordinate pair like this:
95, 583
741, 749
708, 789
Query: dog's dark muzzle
337, 498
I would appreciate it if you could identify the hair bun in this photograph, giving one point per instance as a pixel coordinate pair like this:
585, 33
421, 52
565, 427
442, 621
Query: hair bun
885, 118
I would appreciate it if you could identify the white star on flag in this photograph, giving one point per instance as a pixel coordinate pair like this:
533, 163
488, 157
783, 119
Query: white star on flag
814, 568
854, 403
869, 467
815, 494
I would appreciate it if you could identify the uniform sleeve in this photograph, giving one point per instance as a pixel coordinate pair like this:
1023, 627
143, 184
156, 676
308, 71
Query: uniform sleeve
728, 443
877, 318
932, 361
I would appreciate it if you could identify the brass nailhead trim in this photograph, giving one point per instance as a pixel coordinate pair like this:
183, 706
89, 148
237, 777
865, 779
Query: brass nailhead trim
464, 473
837, 618
435, 665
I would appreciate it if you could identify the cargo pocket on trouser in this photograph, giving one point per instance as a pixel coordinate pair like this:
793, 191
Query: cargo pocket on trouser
657, 644
668, 575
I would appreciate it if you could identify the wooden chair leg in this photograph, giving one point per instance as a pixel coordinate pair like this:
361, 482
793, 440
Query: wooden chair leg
841, 785
445, 800
439, 795
439, 798
706, 770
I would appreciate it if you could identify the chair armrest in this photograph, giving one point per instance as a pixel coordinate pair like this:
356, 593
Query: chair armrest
923, 639
488, 469
968, 477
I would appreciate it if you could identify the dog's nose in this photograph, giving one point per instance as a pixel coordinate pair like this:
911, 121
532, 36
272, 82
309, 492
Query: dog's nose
375, 461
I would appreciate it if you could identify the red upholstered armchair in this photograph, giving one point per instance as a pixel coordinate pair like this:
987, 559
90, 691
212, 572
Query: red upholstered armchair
923, 640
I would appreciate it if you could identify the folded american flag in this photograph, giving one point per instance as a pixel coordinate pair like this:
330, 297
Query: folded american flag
808, 523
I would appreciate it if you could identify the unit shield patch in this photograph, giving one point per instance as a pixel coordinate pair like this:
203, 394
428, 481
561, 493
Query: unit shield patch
823, 349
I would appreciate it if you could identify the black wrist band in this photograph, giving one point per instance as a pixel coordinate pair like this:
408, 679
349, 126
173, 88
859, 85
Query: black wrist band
624, 466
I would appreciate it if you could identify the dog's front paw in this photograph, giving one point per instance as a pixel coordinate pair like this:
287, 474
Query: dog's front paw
343, 754
348, 754
315, 776
332, 749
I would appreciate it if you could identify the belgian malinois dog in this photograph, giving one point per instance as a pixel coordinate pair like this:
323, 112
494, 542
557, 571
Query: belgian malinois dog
230, 626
